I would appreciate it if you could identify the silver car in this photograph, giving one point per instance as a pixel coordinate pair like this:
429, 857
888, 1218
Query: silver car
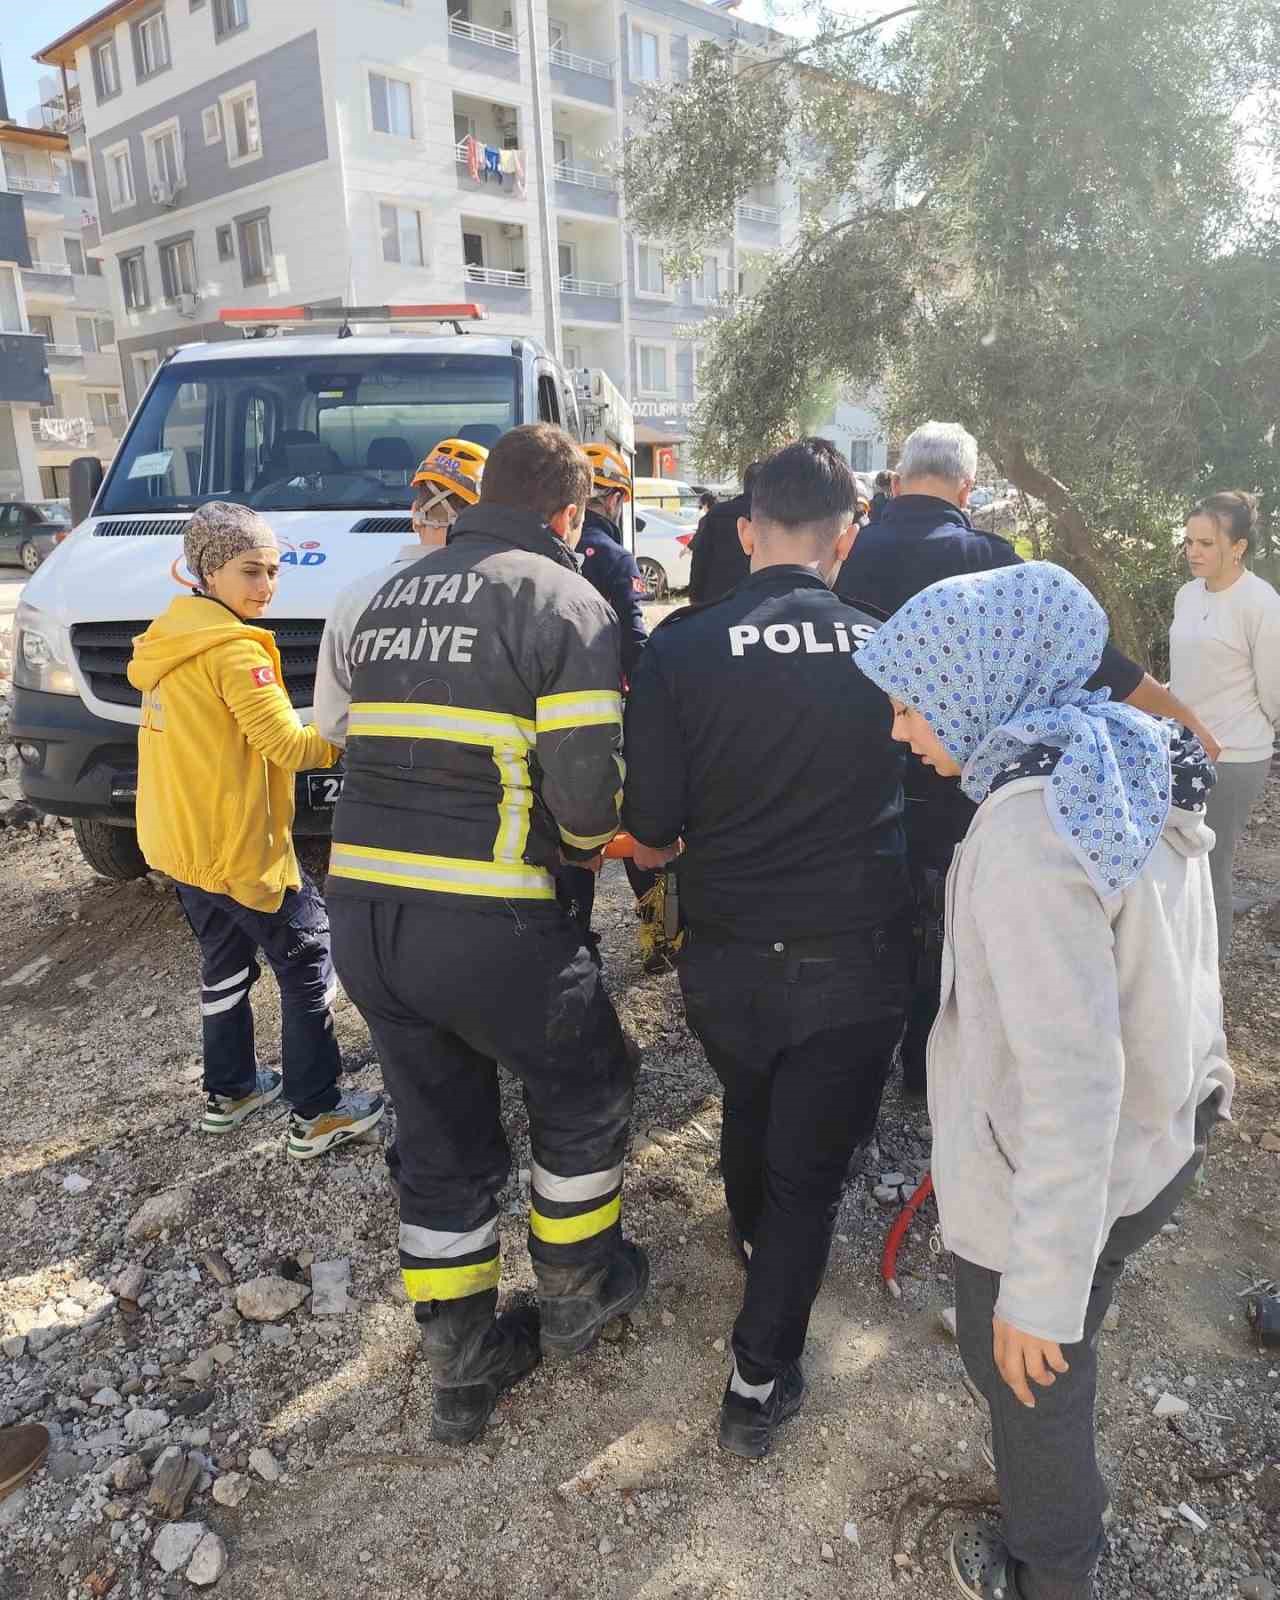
30, 531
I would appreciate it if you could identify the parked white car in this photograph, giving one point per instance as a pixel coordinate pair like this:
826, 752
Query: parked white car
662, 551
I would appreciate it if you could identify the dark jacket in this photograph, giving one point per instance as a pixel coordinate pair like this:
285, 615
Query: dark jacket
915, 541
751, 734
610, 569
718, 561
485, 725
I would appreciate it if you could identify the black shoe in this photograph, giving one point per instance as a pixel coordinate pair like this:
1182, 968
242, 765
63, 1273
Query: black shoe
746, 1426
571, 1323
460, 1411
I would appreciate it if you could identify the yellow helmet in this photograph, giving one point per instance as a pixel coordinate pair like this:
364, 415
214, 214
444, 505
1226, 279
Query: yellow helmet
456, 466
609, 472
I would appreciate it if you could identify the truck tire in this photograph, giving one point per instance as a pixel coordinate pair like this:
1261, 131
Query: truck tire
112, 852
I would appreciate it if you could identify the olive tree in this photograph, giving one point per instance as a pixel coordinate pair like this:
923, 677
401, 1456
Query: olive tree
1053, 222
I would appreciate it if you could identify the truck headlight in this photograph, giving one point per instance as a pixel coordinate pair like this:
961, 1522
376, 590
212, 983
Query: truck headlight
40, 657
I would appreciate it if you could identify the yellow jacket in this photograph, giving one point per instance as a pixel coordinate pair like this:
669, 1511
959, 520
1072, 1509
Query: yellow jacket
217, 751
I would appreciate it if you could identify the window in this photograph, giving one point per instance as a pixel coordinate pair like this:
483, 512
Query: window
240, 115
392, 102
106, 334
568, 257
133, 278
562, 150
257, 264
87, 335
211, 122
644, 56
10, 305
860, 455
75, 255
178, 268
473, 249
401, 228
653, 369
106, 70
224, 238
463, 127
706, 286
118, 164
229, 16
80, 180
144, 368
150, 46
103, 409
558, 34
41, 325
164, 160
572, 356
650, 278
95, 267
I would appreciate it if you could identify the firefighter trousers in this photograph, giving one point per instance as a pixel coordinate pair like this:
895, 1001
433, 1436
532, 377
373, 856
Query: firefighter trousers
447, 993
801, 1035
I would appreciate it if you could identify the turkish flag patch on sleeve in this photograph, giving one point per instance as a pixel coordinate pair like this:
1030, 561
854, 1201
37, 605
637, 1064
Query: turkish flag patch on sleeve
263, 676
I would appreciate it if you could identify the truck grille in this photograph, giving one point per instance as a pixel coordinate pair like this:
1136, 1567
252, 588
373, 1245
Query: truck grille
139, 528
103, 650
383, 525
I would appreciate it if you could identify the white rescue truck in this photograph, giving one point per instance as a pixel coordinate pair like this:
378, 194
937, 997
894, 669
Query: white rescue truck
321, 432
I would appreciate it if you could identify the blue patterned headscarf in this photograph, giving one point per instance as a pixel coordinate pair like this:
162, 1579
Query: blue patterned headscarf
997, 662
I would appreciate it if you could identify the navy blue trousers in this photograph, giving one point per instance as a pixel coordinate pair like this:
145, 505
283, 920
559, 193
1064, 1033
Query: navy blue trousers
295, 943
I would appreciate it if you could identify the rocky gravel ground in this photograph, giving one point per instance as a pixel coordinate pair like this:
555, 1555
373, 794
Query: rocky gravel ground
217, 1341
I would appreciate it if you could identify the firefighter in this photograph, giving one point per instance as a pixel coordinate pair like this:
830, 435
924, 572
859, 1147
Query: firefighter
447, 481
752, 738
482, 749
611, 570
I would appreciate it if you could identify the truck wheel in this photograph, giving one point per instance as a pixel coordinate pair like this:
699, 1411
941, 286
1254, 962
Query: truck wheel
113, 852
655, 578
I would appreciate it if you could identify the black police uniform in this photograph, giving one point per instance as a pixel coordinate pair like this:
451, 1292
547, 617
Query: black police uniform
919, 539
483, 743
751, 734
611, 570
717, 561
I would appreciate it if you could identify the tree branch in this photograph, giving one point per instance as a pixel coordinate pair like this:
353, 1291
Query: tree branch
800, 50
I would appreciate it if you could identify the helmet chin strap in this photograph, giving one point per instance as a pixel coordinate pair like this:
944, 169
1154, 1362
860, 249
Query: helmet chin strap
440, 496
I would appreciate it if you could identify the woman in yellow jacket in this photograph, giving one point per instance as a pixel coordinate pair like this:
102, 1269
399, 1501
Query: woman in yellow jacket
217, 751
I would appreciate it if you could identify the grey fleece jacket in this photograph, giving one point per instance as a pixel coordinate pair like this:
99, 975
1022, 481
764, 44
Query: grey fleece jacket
1076, 1037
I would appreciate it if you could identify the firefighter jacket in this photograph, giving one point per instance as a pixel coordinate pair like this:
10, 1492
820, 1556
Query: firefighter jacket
611, 570
485, 726
751, 735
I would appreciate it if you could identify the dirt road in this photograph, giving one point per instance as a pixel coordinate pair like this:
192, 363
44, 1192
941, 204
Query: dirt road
98, 1079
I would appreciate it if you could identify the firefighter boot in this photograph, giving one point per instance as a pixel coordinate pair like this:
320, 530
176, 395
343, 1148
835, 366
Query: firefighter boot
576, 1302
474, 1357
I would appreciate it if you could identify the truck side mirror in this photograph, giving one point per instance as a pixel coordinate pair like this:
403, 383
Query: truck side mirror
86, 477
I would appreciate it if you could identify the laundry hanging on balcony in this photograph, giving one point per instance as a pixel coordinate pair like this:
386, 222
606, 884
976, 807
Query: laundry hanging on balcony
475, 155
512, 166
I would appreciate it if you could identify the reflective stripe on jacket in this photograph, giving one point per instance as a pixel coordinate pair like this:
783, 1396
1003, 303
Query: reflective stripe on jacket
485, 726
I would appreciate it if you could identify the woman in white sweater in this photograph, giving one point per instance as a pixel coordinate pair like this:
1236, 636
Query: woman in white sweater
1078, 1059
1224, 657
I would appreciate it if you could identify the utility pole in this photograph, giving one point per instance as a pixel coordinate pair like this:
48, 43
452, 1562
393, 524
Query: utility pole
550, 258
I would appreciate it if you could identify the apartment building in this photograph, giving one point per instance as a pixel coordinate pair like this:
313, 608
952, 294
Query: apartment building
55, 292
384, 151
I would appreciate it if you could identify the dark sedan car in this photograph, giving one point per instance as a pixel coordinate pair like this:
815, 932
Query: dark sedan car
30, 530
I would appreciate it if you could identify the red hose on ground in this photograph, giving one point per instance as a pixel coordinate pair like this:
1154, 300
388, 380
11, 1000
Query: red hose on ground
889, 1258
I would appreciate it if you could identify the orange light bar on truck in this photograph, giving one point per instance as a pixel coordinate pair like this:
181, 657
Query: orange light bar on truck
257, 316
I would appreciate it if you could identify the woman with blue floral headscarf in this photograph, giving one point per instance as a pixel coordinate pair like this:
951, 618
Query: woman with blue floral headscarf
1078, 1059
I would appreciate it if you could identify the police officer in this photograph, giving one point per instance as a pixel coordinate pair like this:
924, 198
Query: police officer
483, 748
921, 535
751, 737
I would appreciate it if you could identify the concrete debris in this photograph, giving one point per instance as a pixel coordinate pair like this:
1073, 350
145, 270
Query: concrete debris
330, 1281
208, 1563
176, 1544
268, 1298
76, 1183
201, 1369
130, 1283
1193, 1517
128, 1473
265, 1465
161, 1214
144, 1423
232, 1489
1171, 1405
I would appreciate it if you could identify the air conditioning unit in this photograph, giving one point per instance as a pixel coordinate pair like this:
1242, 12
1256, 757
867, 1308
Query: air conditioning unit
185, 304
164, 193
511, 230
506, 117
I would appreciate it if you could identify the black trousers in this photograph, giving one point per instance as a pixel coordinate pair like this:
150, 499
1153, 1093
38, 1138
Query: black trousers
448, 992
801, 1037
1052, 1495
295, 942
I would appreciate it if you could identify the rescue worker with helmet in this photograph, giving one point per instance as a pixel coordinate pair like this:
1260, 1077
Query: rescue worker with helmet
483, 747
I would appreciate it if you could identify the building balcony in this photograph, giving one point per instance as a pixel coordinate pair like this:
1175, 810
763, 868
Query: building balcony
582, 77
64, 433
64, 357
590, 300
41, 197
505, 289
49, 280
508, 184
481, 49
759, 224
580, 189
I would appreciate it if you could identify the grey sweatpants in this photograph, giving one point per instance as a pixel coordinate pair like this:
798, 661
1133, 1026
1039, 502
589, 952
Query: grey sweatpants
1239, 788
1051, 1493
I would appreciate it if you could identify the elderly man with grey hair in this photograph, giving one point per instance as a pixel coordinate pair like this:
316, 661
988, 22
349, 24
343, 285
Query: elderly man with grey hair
922, 536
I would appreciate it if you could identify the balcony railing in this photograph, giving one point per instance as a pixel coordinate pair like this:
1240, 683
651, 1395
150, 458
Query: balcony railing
69, 350
498, 276
28, 185
577, 63
572, 284
769, 214
50, 269
493, 37
62, 430
584, 177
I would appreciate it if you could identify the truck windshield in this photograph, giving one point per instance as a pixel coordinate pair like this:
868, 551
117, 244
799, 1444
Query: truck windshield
299, 433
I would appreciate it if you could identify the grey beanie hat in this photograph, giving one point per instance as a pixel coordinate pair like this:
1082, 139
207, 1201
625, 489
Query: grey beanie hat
221, 530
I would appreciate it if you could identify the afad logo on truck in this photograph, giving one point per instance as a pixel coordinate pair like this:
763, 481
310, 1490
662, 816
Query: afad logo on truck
306, 554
